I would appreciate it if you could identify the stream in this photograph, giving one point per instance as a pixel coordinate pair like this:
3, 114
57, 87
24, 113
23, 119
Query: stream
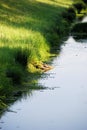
63, 106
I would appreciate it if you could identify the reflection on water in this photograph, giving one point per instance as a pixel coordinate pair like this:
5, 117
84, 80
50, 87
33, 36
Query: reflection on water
61, 108
79, 30
84, 19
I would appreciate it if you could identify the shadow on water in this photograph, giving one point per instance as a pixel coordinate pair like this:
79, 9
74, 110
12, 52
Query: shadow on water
80, 38
11, 94
79, 30
18, 95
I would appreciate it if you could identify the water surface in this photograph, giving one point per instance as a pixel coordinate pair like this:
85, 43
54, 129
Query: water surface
84, 19
63, 106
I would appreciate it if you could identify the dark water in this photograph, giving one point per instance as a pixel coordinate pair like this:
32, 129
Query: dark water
63, 106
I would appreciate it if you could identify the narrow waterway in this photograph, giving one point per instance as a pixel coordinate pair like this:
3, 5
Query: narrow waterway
63, 106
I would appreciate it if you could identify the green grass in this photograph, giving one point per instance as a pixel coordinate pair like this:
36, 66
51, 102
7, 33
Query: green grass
27, 24
29, 27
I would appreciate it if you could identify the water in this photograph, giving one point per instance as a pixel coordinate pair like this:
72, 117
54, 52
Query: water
61, 107
84, 19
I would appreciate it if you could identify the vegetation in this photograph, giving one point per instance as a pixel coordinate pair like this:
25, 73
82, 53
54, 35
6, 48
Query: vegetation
29, 30
69, 15
79, 31
80, 28
79, 6
85, 1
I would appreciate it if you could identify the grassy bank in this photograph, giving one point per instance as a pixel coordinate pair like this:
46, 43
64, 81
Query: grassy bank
29, 29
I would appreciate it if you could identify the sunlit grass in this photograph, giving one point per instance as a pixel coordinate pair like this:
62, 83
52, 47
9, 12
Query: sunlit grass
28, 25
23, 25
63, 3
29, 30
